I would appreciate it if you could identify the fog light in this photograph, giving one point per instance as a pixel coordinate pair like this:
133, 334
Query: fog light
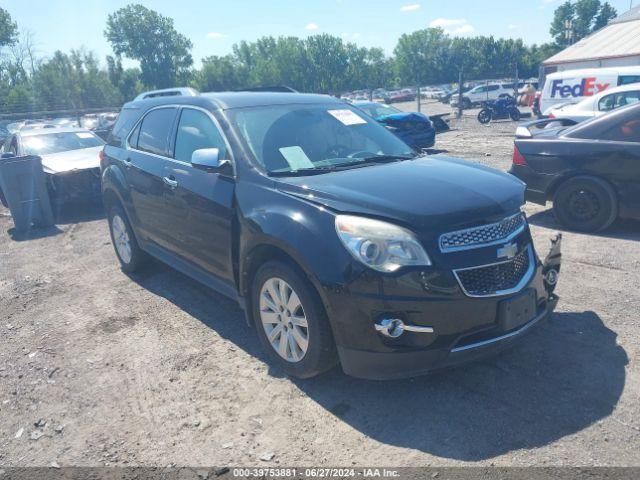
390, 327
552, 277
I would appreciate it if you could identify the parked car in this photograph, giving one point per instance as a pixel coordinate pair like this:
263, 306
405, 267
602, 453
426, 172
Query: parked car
70, 160
599, 104
414, 128
591, 171
571, 86
483, 93
338, 242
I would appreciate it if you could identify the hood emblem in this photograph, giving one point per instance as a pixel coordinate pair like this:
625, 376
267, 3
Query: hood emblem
509, 251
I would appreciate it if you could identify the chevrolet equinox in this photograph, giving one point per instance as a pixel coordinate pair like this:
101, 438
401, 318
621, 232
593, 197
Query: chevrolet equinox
340, 243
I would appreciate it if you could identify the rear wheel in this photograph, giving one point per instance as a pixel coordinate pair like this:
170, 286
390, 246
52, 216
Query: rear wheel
130, 255
291, 322
484, 116
514, 114
587, 204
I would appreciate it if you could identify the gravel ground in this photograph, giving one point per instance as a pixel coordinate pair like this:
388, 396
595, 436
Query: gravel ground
99, 368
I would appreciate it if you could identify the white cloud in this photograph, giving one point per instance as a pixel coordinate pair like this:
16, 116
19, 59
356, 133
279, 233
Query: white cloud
512, 26
215, 35
410, 8
350, 36
453, 26
311, 26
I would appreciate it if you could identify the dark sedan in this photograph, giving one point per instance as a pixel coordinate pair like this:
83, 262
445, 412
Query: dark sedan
416, 129
591, 171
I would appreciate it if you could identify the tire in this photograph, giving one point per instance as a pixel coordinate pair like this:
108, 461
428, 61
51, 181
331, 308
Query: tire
515, 115
3, 200
586, 204
484, 116
271, 315
121, 231
466, 103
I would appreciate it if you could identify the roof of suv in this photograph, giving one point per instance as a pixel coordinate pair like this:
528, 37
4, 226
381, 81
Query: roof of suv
227, 100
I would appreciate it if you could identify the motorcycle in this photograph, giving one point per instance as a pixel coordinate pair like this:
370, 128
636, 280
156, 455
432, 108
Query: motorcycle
500, 109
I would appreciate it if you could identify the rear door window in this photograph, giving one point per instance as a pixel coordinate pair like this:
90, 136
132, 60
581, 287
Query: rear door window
625, 131
196, 131
154, 131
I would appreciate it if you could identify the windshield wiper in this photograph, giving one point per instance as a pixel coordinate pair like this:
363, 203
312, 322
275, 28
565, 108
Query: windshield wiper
384, 158
301, 172
360, 162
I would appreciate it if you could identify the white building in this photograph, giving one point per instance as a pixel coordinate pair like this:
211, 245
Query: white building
616, 45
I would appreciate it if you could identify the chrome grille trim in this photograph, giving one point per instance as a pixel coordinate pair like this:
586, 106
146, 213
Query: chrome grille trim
526, 277
483, 235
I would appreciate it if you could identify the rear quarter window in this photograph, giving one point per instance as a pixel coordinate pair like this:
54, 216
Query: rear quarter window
126, 120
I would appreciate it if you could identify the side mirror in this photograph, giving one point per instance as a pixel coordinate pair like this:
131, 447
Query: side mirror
208, 159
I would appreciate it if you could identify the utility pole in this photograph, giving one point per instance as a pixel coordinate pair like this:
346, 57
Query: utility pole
568, 31
460, 88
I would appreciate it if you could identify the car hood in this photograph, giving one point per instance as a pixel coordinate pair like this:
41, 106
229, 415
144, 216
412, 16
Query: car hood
435, 193
71, 160
404, 117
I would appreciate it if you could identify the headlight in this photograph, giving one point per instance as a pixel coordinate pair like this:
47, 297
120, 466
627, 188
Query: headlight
380, 245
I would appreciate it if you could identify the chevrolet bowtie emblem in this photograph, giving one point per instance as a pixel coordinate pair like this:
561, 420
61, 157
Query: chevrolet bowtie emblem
509, 251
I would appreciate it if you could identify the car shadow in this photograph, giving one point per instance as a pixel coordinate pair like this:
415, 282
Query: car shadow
78, 212
623, 229
566, 375
63, 215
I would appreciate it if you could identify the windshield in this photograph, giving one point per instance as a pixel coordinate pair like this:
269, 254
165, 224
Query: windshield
288, 138
49, 143
378, 110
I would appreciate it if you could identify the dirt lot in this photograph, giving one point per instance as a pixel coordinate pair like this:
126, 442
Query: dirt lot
100, 368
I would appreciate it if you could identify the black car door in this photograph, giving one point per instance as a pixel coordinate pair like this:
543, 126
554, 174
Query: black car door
623, 166
200, 201
145, 164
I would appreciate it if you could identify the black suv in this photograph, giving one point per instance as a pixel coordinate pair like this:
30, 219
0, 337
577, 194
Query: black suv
340, 244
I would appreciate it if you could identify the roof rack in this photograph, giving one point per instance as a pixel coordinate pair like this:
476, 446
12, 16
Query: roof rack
168, 92
276, 88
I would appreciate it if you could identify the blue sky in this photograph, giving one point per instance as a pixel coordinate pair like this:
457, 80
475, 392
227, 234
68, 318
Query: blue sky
215, 25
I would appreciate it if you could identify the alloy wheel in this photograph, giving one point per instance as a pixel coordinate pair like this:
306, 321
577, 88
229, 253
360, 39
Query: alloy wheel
121, 238
284, 320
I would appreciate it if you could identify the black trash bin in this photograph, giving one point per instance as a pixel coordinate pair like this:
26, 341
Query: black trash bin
23, 184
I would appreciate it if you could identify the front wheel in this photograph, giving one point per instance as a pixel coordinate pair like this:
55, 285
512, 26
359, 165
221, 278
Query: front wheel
586, 204
291, 322
484, 116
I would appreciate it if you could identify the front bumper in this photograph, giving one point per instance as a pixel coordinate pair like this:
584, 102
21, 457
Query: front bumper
451, 327
391, 365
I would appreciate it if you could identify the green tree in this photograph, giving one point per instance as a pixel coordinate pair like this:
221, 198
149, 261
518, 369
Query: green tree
421, 56
144, 35
8, 29
586, 17
606, 14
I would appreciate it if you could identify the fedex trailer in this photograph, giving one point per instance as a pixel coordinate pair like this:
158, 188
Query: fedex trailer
571, 86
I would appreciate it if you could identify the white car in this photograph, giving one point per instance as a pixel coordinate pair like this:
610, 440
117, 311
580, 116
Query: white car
483, 93
70, 160
597, 105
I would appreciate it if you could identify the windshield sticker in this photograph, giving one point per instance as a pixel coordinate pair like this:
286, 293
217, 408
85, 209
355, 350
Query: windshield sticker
84, 135
296, 158
347, 117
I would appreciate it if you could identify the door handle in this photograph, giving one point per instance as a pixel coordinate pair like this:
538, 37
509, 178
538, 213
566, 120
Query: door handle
172, 182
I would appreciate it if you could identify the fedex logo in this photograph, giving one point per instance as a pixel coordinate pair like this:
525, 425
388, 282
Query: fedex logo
586, 88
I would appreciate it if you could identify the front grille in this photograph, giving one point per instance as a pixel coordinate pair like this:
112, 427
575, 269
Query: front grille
482, 235
497, 279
